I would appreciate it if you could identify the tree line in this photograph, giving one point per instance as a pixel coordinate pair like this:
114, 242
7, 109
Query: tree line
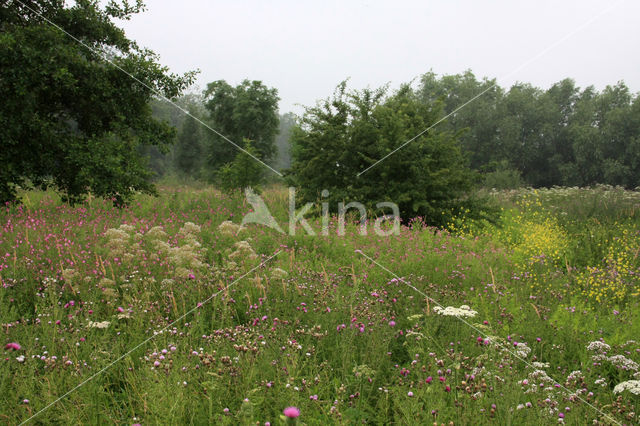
560, 136
524, 135
72, 120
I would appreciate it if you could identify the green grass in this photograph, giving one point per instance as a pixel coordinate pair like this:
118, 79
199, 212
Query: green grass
339, 336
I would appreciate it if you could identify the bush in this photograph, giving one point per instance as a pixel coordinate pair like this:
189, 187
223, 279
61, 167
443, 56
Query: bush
503, 177
244, 171
340, 139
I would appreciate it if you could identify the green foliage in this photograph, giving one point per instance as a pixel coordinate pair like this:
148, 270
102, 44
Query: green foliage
247, 111
478, 119
189, 150
68, 119
502, 176
282, 159
243, 172
345, 135
312, 327
559, 136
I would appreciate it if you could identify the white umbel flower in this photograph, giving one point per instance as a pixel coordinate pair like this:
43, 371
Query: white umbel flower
101, 324
461, 312
632, 386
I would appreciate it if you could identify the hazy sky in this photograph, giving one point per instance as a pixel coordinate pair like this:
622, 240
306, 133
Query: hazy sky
305, 48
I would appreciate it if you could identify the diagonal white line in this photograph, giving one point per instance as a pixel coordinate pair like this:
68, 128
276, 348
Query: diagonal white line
155, 91
144, 342
483, 334
516, 70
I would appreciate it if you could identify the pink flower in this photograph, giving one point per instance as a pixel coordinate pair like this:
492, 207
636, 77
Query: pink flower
291, 412
428, 379
192, 277
120, 309
392, 323
13, 345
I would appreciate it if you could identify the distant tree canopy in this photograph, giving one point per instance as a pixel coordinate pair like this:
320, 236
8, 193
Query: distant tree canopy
282, 157
344, 135
561, 136
189, 148
247, 111
243, 172
68, 119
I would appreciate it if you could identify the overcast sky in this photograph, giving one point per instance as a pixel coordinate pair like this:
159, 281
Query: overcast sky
305, 48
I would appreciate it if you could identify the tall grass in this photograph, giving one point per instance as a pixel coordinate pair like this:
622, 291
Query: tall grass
319, 326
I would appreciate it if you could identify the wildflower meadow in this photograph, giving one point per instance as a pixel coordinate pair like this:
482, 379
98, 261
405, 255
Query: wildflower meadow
169, 311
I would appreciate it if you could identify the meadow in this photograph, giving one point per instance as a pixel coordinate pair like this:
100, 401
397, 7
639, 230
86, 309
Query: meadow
169, 312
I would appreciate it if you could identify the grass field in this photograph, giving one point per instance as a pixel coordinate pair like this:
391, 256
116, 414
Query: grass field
161, 314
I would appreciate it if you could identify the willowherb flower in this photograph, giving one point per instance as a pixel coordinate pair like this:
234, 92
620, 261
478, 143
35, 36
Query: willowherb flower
461, 312
632, 386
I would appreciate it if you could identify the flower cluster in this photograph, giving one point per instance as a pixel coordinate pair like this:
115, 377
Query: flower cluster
632, 386
463, 311
229, 228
